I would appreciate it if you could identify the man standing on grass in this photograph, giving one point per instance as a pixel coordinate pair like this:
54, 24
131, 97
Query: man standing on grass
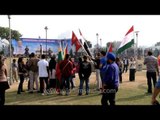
110, 81
84, 72
43, 70
66, 68
152, 67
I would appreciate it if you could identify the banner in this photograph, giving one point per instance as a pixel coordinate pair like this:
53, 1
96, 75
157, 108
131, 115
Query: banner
34, 45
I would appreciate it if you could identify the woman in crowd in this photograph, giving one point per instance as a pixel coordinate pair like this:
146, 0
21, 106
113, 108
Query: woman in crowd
3, 81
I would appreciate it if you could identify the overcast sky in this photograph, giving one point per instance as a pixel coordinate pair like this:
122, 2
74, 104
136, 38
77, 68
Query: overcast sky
109, 27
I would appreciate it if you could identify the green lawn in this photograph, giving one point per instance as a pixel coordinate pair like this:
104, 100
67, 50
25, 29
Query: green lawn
129, 93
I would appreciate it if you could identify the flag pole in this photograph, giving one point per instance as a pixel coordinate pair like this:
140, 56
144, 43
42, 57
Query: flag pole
85, 42
83, 47
10, 50
137, 46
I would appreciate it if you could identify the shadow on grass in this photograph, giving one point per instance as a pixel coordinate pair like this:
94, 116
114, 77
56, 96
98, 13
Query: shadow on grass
26, 98
136, 97
142, 86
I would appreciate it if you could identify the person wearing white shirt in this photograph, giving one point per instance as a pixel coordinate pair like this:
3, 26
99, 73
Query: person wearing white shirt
132, 69
43, 71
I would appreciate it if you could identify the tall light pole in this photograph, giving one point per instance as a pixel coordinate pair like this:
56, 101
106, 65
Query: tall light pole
46, 28
10, 51
136, 55
137, 42
97, 41
101, 42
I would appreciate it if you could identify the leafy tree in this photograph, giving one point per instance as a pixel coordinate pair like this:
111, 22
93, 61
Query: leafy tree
4, 33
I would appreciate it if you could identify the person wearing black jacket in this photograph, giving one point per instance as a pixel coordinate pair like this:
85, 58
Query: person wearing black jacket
84, 74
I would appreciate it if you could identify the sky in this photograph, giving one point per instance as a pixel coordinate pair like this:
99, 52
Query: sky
109, 27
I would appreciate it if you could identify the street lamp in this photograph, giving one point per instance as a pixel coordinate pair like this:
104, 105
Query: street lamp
137, 38
97, 41
136, 42
101, 42
46, 28
10, 51
136, 47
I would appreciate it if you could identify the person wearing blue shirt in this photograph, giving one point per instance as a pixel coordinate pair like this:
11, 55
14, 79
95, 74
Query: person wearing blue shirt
102, 65
110, 81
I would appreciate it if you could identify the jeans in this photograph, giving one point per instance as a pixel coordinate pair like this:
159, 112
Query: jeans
66, 83
158, 83
42, 80
81, 85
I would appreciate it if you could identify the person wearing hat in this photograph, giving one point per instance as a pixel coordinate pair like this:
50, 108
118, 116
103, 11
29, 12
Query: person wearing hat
110, 81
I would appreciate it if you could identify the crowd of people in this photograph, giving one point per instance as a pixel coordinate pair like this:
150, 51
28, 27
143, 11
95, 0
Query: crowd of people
44, 75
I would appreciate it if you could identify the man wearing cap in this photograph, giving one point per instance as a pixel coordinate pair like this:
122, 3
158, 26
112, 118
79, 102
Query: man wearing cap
110, 81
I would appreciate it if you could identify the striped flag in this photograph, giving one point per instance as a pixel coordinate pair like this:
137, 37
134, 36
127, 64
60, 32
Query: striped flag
85, 45
58, 72
65, 50
128, 41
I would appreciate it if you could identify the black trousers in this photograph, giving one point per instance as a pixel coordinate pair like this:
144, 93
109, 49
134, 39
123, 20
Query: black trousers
20, 87
42, 80
52, 83
108, 96
151, 76
2, 97
125, 68
132, 74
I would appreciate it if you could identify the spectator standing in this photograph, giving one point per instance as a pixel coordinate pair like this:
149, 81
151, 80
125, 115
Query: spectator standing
110, 81
15, 70
22, 71
119, 63
43, 71
152, 67
85, 71
66, 68
132, 69
3, 81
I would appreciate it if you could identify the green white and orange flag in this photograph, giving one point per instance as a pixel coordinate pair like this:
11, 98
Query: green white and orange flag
128, 41
58, 72
65, 51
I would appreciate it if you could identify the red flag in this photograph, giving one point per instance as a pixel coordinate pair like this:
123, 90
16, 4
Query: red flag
130, 30
74, 38
78, 45
110, 47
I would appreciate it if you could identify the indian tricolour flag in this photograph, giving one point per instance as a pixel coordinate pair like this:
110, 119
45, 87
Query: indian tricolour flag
128, 41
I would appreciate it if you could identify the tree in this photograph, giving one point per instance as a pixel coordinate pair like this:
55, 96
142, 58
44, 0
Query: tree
4, 33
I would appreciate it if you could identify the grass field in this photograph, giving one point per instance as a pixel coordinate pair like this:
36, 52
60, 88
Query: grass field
130, 93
